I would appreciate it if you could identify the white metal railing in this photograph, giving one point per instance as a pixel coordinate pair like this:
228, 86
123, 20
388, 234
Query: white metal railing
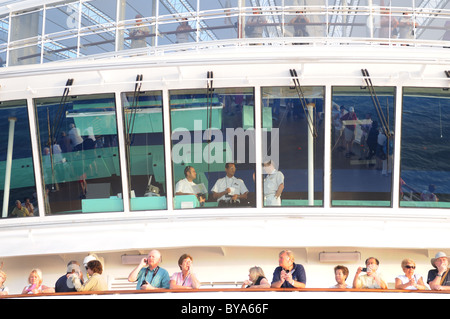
90, 31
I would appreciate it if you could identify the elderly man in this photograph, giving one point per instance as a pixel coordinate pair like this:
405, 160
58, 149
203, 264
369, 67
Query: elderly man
288, 274
438, 278
372, 279
149, 275
229, 190
20, 211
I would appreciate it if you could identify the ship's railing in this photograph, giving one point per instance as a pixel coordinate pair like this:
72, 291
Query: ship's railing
242, 292
77, 29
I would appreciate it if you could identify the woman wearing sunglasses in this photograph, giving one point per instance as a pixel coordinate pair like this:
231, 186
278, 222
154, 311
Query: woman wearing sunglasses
409, 280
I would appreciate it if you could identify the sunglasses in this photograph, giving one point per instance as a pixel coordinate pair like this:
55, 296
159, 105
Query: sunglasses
410, 267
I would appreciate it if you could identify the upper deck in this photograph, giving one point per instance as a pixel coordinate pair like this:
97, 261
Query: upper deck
35, 32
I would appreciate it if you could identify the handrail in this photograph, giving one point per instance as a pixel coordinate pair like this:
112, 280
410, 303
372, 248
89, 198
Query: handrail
277, 17
222, 290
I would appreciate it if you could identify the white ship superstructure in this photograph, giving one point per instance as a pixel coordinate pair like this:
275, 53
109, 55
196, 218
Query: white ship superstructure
104, 104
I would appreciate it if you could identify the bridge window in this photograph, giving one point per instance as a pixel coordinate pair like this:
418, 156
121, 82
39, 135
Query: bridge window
293, 144
98, 27
144, 137
79, 154
362, 146
220, 19
17, 181
25, 30
61, 24
425, 148
4, 23
209, 130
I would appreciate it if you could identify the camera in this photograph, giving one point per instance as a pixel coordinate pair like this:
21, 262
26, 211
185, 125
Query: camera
364, 270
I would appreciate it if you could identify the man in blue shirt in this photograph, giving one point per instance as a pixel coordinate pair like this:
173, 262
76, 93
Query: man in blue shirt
288, 274
152, 276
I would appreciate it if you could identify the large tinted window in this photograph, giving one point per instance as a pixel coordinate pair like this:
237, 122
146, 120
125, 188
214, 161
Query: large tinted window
145, 149
362, 146
425, 167
79, 153
210, 130
17, 181
293, 146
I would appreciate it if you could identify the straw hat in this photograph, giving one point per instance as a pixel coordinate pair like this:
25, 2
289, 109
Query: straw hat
439, 255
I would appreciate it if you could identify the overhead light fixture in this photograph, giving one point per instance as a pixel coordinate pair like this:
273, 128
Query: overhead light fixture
330, 257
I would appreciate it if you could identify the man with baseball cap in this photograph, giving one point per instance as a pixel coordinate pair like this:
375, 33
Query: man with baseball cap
439, 278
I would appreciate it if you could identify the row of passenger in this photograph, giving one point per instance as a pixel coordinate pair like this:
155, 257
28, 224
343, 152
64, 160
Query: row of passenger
148, 275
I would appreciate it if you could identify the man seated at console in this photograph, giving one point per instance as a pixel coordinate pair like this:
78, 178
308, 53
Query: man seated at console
186, 186
229, 190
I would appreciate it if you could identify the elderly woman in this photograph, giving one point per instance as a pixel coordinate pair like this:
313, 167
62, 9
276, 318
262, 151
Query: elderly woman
3, 290
256, 279
35, 284
409, 280
341, 275
184, 279
96, 282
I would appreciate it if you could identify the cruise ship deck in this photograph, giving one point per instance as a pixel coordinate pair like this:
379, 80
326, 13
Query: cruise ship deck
105, 105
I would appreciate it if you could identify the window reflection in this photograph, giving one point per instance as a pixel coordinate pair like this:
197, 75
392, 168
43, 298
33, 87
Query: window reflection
287, 146
210, 130
425, 148
145, 147
79, 153
17, 182
362, 146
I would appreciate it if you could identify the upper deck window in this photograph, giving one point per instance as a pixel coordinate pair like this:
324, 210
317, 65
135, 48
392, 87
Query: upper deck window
144, 138
425, 148
72, 29
362, 146
17, 182
211, 132
293, 133
80, 154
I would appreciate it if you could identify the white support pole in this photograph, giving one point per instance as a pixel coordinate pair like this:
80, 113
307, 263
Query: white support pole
12, 125
311, 155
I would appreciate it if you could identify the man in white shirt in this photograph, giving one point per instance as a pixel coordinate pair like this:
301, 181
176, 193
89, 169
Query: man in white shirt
229, 189
184, 186
273, 185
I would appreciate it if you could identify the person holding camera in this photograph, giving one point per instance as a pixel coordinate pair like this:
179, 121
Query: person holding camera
64, 283
288, 274
96, 281
149, 275
372, 279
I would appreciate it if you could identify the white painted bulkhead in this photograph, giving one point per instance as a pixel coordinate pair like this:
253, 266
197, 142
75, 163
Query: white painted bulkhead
226, 243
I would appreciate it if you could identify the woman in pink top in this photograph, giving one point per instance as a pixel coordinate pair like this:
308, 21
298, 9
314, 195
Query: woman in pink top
184, 279
35, 284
